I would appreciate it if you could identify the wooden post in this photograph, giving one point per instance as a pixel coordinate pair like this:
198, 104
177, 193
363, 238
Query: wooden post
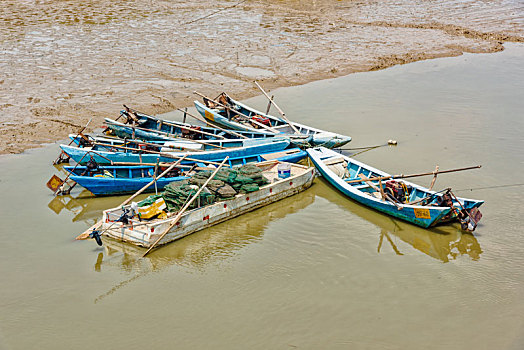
434, 178
85, 234
181, 212
185, 114
269, 104
381, 189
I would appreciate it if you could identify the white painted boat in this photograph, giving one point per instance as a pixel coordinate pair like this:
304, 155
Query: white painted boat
145, 233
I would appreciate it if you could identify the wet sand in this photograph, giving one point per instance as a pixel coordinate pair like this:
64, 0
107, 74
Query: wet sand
64, 62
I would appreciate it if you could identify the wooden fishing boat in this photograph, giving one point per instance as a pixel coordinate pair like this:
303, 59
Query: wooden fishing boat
241, 117
83, 155
149, 128
116, 180
104, 143
146, 233
416, 204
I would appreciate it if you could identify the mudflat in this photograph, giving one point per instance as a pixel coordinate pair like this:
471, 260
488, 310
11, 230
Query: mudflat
64, 62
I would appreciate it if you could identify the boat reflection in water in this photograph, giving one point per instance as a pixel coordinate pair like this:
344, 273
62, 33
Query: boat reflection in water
201, 248
445, 243
84, 206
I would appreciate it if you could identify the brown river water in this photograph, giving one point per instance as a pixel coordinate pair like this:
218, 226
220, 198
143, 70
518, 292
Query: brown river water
314, 271
65, 62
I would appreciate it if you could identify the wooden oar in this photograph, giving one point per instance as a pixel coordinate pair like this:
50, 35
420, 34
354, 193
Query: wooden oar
181, 212
401, 176
278, 108
238, 113
163, 121
85, 234
213, 124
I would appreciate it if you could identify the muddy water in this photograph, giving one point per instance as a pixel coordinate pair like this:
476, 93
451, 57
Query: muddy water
313, 271
64, 62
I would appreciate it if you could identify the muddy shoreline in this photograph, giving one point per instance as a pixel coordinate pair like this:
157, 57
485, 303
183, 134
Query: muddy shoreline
66, 62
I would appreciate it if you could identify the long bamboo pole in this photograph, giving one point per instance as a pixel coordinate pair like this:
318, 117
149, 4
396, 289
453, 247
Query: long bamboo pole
85, 234
173, 136
148, 144
213, 124
167, 122
180, 138
181, 212
278, 108
401, 176
238, 113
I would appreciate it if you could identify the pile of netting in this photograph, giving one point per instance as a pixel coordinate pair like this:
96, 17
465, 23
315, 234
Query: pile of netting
226, 184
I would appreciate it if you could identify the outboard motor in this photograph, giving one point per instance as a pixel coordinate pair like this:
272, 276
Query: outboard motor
124, 218
96, 236
398, 190
468, 218
84, 141
445, 200
92, 166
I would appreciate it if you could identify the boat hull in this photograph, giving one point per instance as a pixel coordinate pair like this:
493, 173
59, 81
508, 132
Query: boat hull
83, 155
424, 216
116, 184
317, 137
198, 219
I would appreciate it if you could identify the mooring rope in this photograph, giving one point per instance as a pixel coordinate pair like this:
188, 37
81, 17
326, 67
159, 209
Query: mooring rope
490, 187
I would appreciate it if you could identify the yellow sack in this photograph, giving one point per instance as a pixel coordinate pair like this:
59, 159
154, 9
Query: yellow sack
155, 208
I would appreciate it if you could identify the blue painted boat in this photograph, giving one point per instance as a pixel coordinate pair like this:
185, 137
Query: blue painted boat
172, 130
223, 117
115, 180
83, 155
178, 129
338, 170
103, 143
